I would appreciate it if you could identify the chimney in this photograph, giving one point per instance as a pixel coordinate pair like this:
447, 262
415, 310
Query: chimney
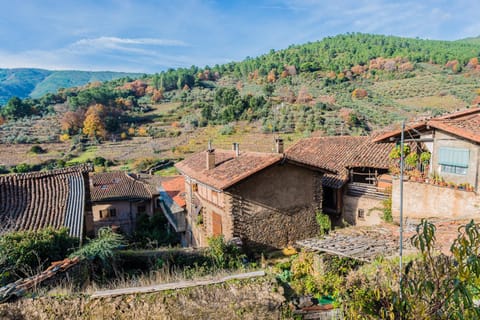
279, 145
210, 156
236, 148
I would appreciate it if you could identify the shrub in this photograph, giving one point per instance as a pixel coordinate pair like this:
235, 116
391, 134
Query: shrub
102, 248
23, 252
324, 223
23, 168
227, 130
154, 231
224, 255
37, 149
396, 152
447, 285
412, 159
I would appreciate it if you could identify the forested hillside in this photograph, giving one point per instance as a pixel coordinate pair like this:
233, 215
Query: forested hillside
26, 82
344, 85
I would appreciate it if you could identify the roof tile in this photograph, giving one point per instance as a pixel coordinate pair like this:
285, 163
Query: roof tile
229, 169
114, 186
339, 153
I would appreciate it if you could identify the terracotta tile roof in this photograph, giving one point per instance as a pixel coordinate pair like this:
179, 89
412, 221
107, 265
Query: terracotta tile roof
465, 124
56, 198
115, 186
229, 169
339, 153
175, 188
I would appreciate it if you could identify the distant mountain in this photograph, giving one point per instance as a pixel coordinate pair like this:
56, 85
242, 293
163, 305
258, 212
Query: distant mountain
27, 82
475, 40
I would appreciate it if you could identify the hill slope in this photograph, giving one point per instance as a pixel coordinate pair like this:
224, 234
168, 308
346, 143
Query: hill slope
26, 82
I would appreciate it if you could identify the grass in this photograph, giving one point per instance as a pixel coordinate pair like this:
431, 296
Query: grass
88, 154
170, 171
447, 102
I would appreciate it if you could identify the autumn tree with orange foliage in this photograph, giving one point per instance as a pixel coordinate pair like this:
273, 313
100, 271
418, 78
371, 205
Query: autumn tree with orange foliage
472, 63
72, 121
137, 87
94, 126
359, 93
272, 76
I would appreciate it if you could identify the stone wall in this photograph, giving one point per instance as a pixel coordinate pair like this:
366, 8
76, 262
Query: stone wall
422, 200
372, 210
276, 206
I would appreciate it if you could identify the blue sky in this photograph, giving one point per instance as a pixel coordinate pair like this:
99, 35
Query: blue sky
153, 35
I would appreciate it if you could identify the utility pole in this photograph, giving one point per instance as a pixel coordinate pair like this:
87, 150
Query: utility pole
402, 157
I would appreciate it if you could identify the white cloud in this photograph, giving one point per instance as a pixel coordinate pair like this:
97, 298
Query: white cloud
108, 42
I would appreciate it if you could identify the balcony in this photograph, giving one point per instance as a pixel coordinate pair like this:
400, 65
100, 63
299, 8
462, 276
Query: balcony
173, 212
357, 189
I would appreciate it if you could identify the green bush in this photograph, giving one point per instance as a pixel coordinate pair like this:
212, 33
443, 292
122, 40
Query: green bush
434, 285
412, 159
154, 231
102, 248
387, 209
224, 255
37, 149
324, 223
23, 253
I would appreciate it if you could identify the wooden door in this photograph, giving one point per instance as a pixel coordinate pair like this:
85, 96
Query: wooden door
216, 224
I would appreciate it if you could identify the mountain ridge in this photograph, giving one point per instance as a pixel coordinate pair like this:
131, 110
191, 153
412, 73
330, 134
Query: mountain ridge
36, 82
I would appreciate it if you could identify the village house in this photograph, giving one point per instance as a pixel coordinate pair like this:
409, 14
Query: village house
260, 199
449, 184
356, 190
37, 200
117, 199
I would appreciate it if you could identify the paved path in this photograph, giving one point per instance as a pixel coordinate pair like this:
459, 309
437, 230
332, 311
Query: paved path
175, 285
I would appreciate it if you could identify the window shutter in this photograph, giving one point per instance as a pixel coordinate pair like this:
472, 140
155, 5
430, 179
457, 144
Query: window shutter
454, 157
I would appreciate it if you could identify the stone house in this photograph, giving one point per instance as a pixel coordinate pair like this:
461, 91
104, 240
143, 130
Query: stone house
261, 199
358, 184
117, 199
451, 187
37, 200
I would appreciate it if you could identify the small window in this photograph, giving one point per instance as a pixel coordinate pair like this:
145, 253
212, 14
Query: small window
361, 214
194, 187
453, 160
106, 213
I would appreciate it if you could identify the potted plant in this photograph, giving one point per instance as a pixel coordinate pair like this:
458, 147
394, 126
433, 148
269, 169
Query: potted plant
412, 160
442, 182
461, 186
425, 159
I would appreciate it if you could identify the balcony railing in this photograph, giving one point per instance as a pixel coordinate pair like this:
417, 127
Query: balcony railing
357, 189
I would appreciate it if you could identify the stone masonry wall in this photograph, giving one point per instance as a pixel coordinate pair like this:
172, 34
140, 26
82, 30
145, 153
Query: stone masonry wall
277, 206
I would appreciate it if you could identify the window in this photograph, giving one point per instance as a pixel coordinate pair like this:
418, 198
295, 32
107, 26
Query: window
106, 213
361, 214
453, 160
194, 187
141, 209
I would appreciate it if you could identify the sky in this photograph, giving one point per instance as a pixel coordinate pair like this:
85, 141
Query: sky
149, 36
